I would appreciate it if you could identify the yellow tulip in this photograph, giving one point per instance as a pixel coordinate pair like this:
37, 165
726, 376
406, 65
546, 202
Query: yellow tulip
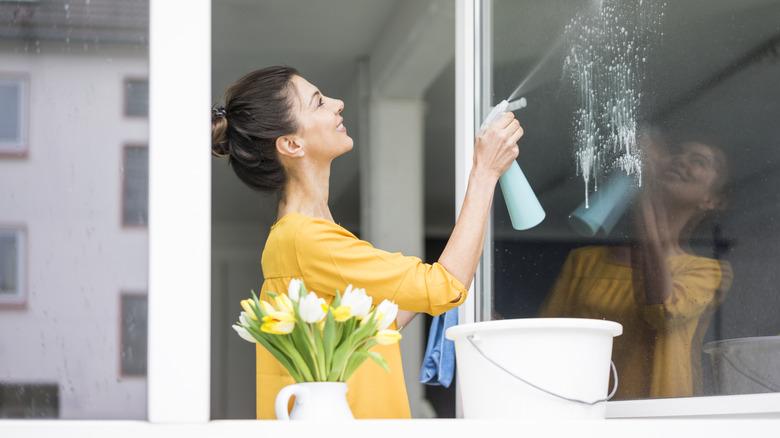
278, 316
277, 327
342, 313
358, 301
267, 308
284, 304
276, 322
247, 306
387, 337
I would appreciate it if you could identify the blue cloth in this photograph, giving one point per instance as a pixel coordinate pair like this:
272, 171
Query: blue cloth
438, 367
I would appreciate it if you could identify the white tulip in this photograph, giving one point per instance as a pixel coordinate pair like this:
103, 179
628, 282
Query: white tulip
310, 308
243, 319
358, 302
386, 314
294, 289
244, 334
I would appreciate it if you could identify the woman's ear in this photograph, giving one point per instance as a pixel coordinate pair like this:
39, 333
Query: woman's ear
290, 146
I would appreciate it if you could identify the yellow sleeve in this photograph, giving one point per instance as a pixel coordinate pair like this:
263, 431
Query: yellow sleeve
330, 258
696, 285
557, 303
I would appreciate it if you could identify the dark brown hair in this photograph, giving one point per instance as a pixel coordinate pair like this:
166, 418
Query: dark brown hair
257, 111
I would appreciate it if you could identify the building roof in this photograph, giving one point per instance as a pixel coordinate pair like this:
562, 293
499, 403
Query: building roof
82, 21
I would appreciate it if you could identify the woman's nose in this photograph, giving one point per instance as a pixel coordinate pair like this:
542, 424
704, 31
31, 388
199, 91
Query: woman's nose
339, 106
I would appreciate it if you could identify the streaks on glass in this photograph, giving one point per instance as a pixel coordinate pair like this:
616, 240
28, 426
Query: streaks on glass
607, 52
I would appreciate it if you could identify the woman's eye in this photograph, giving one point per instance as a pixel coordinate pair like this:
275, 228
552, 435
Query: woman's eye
322, 101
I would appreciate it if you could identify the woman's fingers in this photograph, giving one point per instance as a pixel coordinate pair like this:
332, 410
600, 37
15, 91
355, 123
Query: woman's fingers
496, 147
506, 119
515, 135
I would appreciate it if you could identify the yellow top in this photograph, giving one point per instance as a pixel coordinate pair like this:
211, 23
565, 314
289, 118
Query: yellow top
328, 258
659, 353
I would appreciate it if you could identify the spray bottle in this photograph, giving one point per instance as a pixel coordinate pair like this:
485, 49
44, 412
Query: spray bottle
524, 208
606, 206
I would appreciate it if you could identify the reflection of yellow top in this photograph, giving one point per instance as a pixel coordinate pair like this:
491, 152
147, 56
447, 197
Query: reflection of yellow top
327, 257
659, 353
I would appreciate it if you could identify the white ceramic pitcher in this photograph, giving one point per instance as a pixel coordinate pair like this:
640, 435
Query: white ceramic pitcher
314, 401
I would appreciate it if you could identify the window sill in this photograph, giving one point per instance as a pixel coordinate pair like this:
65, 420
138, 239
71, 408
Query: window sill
728, 406
394, 428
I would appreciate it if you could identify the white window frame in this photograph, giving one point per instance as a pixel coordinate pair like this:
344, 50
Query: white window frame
180, 253
179, 210
17, 300
18, 147
471, 83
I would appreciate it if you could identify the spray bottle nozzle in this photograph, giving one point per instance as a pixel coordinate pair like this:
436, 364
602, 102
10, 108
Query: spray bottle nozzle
517, 104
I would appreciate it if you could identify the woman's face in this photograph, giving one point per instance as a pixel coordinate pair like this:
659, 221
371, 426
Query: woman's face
320, 124
690, 176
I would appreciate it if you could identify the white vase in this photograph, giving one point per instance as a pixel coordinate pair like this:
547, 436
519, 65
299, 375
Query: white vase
314, 401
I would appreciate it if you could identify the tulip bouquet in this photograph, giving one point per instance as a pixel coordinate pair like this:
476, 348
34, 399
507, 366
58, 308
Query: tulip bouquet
316, 341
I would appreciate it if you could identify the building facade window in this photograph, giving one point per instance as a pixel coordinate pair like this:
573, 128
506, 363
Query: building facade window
133, 336
13, 260
136, 98
29, 400
135, 186
13, 114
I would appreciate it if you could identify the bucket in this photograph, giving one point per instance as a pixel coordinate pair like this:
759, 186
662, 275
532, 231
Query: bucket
535, 368
745, 365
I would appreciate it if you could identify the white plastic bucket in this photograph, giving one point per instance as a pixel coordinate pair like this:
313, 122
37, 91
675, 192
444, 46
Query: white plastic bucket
534, 368
745, 365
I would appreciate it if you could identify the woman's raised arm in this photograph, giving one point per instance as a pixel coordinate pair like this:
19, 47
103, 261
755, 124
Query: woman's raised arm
494, 151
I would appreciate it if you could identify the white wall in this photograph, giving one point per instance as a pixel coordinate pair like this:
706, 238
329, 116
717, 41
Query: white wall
67, 192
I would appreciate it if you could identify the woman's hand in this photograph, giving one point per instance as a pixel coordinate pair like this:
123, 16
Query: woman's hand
496, 147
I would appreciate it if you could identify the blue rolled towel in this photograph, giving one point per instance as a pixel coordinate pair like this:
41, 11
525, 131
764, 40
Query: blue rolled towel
438, 367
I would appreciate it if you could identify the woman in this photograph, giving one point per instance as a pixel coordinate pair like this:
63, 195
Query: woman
280, 133
660, 291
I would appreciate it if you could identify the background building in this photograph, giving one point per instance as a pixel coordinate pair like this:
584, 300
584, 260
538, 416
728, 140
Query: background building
73, 209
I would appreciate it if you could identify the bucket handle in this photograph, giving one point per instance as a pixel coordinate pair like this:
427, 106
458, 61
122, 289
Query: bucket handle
497, 365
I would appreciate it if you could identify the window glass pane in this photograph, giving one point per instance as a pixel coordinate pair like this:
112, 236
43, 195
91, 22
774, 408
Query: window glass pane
135, 186
9, 262
10, 106
651, 140
134, 313
32, 400
391, 63
62, 339
137, 97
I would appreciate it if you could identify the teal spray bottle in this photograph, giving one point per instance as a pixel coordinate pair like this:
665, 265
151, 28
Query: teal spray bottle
524, 208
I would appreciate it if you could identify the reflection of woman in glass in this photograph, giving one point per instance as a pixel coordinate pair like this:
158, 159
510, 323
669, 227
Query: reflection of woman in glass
280, 133
656, 287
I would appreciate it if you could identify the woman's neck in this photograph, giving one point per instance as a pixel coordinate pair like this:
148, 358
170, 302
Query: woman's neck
306, 192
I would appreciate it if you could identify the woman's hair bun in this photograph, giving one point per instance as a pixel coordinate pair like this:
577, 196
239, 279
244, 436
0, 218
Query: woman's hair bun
219, 140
